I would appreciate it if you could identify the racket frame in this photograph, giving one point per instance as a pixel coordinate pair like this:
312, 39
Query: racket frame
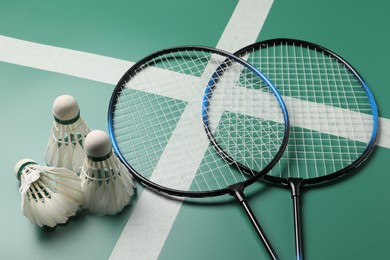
374, 135
193, 194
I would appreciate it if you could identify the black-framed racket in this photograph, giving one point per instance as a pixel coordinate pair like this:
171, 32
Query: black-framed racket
333, 115
157, 116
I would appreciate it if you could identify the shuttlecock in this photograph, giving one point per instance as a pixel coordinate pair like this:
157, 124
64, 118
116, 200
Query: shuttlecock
65, 145
105, 181
50, 195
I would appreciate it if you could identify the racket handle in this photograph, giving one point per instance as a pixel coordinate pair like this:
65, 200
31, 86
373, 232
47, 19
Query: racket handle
237, 192
295, 185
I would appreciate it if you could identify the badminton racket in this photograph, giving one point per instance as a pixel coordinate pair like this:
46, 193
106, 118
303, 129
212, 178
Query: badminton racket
159, 111
333, 115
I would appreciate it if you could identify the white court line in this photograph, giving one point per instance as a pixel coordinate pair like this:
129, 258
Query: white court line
70, 62
384, 133
105, 69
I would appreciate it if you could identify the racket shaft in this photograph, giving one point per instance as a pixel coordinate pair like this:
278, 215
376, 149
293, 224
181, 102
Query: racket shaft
239, 195
295, 195
297, 227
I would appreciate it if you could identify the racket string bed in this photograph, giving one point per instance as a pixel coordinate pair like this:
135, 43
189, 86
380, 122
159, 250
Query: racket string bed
161, 106
304, 75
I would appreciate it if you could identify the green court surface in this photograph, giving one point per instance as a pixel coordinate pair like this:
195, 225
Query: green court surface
82, 48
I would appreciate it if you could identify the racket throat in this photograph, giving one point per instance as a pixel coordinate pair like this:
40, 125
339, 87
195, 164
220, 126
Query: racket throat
237, 191
295, 186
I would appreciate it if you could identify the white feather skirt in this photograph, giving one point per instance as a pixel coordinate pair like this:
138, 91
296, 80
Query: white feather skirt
65, 145
107, 185
49, 195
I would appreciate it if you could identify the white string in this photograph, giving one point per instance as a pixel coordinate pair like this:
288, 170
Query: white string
240, 99
329, 111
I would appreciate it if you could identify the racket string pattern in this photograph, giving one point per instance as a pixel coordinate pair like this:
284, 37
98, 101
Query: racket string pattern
330, 112
156, 97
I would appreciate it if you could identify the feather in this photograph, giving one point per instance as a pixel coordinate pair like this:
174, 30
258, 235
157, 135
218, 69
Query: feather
65, 145
106, 183
50, 195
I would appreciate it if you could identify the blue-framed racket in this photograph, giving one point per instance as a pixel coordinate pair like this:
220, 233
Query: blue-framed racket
156, 124
333, 115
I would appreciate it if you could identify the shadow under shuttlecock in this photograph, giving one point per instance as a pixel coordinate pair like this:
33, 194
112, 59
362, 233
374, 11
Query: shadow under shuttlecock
60, 230
48, 235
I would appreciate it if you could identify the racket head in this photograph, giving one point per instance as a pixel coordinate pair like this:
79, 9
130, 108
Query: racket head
333, 113
156, 127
